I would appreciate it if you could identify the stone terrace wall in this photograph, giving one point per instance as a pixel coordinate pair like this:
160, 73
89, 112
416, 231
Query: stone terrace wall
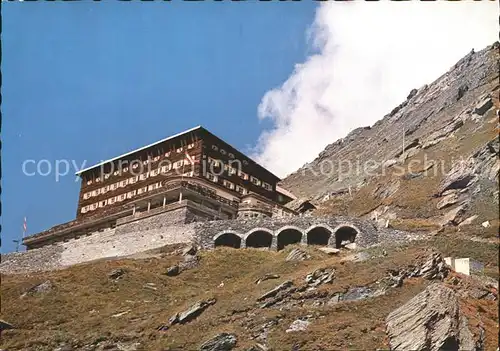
367, 232
145, 233
130, 238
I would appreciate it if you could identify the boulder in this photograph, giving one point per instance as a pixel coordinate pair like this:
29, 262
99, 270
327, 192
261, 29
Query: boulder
298, 325
329, 250
172, 271
189, 262
335, 299
297, 255
453, 216
468, 221
447, 200
189, 250
486, 224
320, 276
276, 290
220, 342
459, 177
192, 312
433, 268
350, 246
429, 321
267, 277
483, 106
5, 325
116, 273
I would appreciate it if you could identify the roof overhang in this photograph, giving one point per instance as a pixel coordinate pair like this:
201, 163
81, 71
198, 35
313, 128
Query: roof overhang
80, 172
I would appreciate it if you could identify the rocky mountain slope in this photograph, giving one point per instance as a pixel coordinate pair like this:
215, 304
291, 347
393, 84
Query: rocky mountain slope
433, 160
297, 299
395, 296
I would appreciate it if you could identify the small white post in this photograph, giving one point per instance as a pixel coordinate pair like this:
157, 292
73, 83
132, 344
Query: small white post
164, 201
149, 205
133, 210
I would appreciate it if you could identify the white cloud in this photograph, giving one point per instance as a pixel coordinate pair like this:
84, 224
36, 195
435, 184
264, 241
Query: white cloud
368, 58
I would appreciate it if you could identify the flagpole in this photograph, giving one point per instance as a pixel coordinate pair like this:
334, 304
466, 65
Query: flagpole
182, 175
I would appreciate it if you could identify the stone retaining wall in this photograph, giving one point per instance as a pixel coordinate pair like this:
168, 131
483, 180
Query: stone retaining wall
206, 233
179, 226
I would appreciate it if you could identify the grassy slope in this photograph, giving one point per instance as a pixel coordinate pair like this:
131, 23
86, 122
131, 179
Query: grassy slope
64, 314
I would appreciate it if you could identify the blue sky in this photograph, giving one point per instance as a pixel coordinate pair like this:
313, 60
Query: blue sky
89, 81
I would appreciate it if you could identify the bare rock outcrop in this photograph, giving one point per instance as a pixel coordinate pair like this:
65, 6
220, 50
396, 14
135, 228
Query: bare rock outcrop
297, 255
430, 321
220, 342
192, 312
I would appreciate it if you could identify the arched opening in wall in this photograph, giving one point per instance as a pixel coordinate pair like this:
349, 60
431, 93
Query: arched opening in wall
345, 235
288, 237
229, 240
259, 239
318, 236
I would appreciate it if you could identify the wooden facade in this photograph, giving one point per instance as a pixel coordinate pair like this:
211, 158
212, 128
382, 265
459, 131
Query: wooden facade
197, 153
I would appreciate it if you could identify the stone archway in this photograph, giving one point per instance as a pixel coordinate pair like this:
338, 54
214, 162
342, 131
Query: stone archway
228, 239
288, 236
259, 238
345, 234
319, 235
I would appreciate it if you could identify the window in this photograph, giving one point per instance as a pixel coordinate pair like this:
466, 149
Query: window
96, 192
142, 190
222, 151
165, 169
214, 147
212, 177
102, 203
145, 162
267, 186
135, 165
125, 169
133, 180
231, 155
131, 194
123, 183
94, 206
122, 197
231, 170
215, 163
89, 182
241, 190
188, 174
84, 209
190, 146
106, 176
114, 186
144, 176
167, 154
156, 158
178, 164
228, 184
97, 180
179, 150
243, 175
154, 186
105, 189
255, 180
111, 200
155, 172
87, 195
116, 173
